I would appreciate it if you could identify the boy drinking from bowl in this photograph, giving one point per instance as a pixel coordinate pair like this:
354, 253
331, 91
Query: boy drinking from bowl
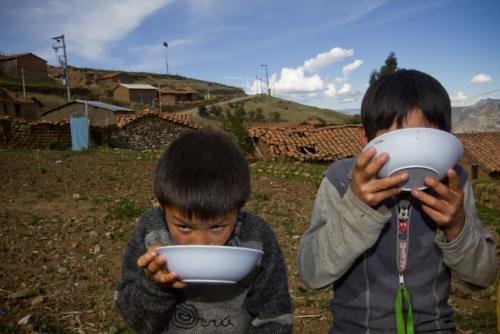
389, 254
201, 182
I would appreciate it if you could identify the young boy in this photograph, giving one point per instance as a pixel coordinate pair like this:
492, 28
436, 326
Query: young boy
355, 229
201, 182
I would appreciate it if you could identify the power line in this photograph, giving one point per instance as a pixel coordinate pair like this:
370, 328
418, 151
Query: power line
471, 97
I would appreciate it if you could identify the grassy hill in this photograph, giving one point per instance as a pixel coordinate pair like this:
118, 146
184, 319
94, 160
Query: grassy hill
275, 111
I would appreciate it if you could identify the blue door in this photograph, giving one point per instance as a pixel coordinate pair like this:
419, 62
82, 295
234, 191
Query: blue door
79, 133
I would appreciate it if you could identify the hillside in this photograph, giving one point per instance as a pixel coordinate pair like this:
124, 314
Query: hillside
275, 111
480, 117
51, 91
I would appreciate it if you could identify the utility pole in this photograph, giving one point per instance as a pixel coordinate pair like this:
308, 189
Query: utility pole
267, 80
165, 44
60, 39
22, 77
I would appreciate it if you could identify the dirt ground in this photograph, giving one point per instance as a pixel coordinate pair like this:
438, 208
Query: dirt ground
65, 219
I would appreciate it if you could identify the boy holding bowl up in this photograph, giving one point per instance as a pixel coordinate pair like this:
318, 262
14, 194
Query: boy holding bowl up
201, 182
388, 254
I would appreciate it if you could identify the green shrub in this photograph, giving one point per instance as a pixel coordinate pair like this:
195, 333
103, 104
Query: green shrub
235, 122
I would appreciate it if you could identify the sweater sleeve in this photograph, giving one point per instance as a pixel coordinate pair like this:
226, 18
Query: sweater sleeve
341, 229
145, 305
472, 255
268, 301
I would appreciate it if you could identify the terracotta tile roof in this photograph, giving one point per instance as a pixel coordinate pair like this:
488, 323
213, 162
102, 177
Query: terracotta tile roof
180, 90
182, 119
306, 143
483, 148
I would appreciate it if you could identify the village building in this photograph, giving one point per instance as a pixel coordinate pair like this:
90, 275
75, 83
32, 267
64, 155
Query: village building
172, 96
307, 143
27, 108
114, 78
27, 64
136, 93
482, 154
99, 113
150, 130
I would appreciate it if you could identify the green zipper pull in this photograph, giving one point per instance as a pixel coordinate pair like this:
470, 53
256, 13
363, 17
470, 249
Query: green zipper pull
403, 297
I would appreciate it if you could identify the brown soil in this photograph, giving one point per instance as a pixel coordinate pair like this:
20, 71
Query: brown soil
62, 239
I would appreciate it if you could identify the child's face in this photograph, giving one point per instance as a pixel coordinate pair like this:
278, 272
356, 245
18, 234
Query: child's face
415, 119
194, 231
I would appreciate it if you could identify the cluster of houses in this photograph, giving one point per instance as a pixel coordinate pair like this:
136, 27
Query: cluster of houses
121, 86
307, 142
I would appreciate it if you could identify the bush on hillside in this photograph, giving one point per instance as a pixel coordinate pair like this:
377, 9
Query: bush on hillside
235, 122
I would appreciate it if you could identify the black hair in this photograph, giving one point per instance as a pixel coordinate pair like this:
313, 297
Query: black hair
203, 174
394, 96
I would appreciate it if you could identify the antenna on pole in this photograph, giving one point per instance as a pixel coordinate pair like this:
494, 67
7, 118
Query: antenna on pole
267, 80
60, 39
165, 44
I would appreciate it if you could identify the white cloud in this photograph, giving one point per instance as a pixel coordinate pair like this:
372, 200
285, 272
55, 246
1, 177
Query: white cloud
91, 27
331, 91
327, 58
348, 69
459, 96
293, 80
481, 78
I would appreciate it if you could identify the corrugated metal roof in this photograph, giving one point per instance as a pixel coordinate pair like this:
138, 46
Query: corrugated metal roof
138, 86
96, 104
103, 105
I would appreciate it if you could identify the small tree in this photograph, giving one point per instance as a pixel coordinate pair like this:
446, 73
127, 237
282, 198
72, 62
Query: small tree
202, 110
275, 116
217, 110
235, 122
390, 66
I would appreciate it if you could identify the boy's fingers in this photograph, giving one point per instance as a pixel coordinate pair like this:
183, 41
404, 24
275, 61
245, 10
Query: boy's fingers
454, 181
144, 260
156, 265
393, 181
435, 215
179, 285
376, 164
163, 276
429, 200
364, 158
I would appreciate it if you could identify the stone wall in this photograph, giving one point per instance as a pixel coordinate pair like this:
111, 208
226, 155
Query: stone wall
19, 133
488, 194
146, 133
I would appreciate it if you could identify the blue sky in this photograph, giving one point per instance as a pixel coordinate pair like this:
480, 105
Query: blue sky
318, 52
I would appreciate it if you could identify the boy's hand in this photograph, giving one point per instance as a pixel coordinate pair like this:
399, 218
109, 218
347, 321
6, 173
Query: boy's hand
154, 267
447, 210
365, 184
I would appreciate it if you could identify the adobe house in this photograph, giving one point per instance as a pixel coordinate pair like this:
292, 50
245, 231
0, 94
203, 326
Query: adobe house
173, 96
99, 113
19, 107
307, 143
482, 154
137, 93
114, 78
34, 67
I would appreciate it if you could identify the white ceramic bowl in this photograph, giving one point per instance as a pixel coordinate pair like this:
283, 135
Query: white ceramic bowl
210, 264
419, 151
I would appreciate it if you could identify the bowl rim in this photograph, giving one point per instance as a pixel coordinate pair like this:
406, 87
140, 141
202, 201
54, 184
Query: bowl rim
374, 141
258, 251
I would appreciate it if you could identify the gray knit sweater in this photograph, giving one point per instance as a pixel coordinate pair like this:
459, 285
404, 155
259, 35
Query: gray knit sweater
353, 247
260, 303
